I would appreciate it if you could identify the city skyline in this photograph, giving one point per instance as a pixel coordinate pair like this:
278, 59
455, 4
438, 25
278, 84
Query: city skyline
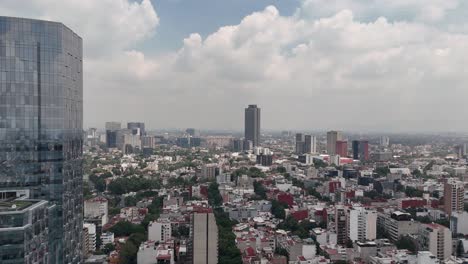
388, 65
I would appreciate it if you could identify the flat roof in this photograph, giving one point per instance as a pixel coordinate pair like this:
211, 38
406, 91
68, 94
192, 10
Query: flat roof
17, 205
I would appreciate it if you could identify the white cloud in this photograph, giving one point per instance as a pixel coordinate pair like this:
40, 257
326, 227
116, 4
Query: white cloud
344, 65
107, 25
414, 10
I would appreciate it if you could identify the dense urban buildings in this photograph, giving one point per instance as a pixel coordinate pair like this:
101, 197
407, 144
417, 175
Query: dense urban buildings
402, 202
41, 133
252, 124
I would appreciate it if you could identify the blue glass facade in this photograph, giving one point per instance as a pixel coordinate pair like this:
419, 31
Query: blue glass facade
41, 117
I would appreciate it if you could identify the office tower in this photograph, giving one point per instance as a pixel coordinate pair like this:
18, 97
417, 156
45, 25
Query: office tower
364, 150
137, 128
341, 225
299, 143
238, 145
23, 225
192, 132
362, 224
360, 150
310, 144
114, 126
205, 238
384, 141
454, 191
355, 147
341, 148
195, 142
265, 160
111, 133
41, 134
305, 144
332, 137
437, 239
252, 124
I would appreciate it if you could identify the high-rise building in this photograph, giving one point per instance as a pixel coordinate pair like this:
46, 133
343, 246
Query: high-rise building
238, 145
332, 137
210, 171
437, 239
360, 150
299, 143
252, 124
265, 160
355, 148
89, 236
305, 144
160, 231
114, 126
341, 227
384, 141
364, 150
192, 132
362, 224
310, 144
137, 128
42, 139
454, 194
341, 148
205, 238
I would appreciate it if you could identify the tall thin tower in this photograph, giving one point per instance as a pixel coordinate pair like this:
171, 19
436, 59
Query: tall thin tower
252, 124
41, 125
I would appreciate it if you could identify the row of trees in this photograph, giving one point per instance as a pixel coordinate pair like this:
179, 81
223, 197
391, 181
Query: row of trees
125, 185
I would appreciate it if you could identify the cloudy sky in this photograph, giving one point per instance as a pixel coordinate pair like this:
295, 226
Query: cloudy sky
370, 65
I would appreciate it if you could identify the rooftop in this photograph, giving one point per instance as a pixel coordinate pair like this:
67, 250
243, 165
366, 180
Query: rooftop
16, 205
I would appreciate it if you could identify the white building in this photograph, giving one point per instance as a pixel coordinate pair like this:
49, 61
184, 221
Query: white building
426, 257
437, 239
150, 253
107, 238
459, 223
384, 141
159, 230
90, 236
362, 224
210, 171
96, 208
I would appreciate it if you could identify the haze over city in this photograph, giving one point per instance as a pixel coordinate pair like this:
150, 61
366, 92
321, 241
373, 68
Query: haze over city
310, 64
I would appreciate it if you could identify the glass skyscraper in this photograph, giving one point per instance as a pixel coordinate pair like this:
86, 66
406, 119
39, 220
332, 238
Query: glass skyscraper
252, 124
41, 123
